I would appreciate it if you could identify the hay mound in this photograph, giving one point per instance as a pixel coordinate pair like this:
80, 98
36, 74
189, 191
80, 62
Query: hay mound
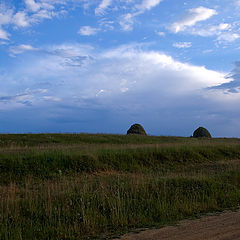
201, 132
136, 129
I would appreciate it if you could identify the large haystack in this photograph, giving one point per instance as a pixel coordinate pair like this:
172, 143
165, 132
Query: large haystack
201, 132
136, 129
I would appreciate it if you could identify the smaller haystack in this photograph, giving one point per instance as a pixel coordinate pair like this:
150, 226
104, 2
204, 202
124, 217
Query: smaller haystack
136, 129
201, 132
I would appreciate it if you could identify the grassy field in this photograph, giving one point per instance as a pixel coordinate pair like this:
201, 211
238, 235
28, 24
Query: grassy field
82, 186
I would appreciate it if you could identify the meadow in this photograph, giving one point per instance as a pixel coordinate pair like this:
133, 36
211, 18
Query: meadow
97, 186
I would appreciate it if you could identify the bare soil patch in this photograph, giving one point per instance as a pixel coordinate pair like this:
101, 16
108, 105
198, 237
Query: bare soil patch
225, 226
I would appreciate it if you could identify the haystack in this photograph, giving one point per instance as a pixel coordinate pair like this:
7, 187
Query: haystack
201, 132
136, 129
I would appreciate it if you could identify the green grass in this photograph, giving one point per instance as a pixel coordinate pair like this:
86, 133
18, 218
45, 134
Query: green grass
48, 163
46, 139
36, 139
70, 186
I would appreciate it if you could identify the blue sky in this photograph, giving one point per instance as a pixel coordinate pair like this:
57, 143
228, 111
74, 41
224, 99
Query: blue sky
99, 66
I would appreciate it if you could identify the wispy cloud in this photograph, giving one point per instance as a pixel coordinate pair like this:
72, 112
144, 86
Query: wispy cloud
211, 30
127, 20
100, 10
161, 34
14, 50
182, 44
33, 12
62, 56
25, 98
4, 35
224, 32
147, 5
193, 16
5, 19
87, 31
228, 37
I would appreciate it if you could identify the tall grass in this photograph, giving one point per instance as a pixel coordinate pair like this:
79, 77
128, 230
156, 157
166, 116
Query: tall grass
98, 206
72, 186
47, 163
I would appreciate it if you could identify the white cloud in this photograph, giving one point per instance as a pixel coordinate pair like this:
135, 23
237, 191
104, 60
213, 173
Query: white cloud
5, 18
123, 80
126, 22
100, 10
219, 28
87, 31
182, 44
161, 34
106, 24
207, 51
3, 34
161, 71
32, 5
224, 32
124, 70
228, 37
211, 30
43, 9
34, 12
21, 49
147, 4
5, 15
42, 14
194, 15
20, 19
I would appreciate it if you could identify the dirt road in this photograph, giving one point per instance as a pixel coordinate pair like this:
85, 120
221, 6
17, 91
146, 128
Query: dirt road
225, 226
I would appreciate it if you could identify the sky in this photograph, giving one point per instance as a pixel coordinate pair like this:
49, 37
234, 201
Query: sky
98, 66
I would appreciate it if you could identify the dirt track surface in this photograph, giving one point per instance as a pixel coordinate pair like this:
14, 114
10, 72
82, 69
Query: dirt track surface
225, 226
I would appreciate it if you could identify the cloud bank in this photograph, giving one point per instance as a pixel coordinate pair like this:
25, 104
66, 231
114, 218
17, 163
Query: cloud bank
118, 82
